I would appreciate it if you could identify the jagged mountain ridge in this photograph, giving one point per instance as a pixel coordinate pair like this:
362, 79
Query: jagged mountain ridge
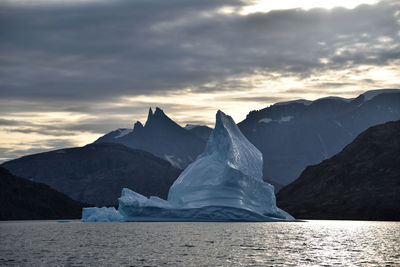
96, 173
162, 137
296, 134
291, 135
361, 182
318, 119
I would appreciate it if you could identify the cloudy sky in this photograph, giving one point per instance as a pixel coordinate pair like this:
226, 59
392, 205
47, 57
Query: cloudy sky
71, 71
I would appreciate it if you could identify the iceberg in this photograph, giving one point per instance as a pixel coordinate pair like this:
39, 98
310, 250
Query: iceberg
224, 183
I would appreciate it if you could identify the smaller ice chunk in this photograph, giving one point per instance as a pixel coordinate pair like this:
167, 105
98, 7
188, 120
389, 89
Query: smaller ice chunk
133, 199
103, 214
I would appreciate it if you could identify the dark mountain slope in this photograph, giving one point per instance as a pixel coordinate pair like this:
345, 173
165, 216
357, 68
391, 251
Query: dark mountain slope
201, 131
96, 173
162, 137
21, 199
294, 135
361, 182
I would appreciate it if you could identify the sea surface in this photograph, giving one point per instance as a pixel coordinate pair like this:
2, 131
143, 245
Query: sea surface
309, 243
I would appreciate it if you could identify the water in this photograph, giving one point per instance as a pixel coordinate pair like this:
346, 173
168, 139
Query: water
319, 243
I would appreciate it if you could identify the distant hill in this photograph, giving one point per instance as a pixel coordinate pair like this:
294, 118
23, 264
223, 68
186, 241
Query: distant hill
295, 134
201, 131
162, 137
96, 173
361, 182
21, 199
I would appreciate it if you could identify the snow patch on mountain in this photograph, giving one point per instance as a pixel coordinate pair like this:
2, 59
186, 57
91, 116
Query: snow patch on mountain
372, 93
338, 123
123, 132
265, 120
190, 126
176, 162
285, 119
348, 100
282, 119
368, 95
300, 101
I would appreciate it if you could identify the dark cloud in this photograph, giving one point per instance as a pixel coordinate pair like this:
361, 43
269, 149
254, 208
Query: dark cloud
98, 126
332, 85
105, 50
260, 99
5, 122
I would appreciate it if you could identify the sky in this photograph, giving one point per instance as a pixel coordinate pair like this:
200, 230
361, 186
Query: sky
71, 71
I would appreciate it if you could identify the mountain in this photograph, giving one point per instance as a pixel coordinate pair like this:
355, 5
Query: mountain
111, 136
361, 182
295, 134
96, 173
201, 131
224, 183
160, 136
21, 199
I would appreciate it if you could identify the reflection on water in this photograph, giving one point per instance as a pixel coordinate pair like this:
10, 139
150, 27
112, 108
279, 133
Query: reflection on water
320, 243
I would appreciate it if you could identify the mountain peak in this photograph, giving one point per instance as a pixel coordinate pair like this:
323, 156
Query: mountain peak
137, 126
150, 115
158, 117
159, 113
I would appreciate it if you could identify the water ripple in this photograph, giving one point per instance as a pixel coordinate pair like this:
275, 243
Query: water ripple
311, 243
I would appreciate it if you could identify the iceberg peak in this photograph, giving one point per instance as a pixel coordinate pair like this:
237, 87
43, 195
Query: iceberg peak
228, 143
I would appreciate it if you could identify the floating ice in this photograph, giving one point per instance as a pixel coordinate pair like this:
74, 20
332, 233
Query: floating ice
223, 184
101, 215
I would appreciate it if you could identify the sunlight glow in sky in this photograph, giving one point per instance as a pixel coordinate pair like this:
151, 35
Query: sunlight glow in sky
267, 5
253, 6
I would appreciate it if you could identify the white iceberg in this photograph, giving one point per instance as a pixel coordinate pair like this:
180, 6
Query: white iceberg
223, 184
